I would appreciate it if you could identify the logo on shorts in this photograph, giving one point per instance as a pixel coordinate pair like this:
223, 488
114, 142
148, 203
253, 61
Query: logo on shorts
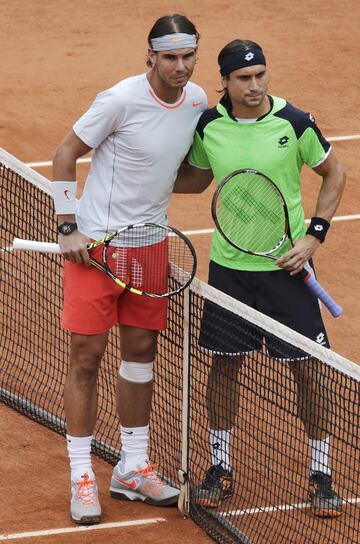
320, 339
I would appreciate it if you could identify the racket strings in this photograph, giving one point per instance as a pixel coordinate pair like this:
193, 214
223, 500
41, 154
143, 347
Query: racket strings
251, 214
128, 270
139, 236
247, 205
143, 256
143, 268
120, 260
181, 258
137, 274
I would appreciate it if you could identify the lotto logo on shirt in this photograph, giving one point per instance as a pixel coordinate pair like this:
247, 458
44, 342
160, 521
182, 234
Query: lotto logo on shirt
283, 141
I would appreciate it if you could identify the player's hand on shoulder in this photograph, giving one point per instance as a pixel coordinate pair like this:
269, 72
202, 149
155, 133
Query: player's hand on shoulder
74, 247
295, 259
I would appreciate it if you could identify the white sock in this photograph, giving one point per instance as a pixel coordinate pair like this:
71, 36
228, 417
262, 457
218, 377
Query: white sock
134, 445
79, 450
220, 447
320, 455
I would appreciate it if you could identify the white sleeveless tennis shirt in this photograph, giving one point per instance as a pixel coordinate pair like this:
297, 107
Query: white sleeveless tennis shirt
138, 145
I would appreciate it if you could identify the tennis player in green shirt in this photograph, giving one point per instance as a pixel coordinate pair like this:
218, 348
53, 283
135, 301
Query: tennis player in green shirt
251, 129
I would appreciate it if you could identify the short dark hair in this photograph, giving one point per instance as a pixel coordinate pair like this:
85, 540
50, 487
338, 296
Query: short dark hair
171, 24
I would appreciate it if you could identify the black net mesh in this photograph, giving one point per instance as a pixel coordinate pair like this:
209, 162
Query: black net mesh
34, 350
271, 404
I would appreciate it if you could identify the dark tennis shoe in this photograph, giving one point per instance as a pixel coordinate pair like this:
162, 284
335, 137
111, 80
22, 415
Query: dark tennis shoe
325, 502
216, 487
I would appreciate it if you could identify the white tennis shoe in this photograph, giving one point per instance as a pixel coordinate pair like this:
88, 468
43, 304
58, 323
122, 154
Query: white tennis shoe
144, 485
85, 508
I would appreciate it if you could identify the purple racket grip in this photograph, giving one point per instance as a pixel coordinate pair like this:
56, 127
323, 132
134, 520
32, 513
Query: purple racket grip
315, 287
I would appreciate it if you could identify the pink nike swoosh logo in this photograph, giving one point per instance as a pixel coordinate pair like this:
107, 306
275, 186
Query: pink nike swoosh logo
66, 193
130, 484
196, 104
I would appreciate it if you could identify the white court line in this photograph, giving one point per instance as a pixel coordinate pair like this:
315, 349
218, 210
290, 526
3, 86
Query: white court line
345, 217
283, 507
130, 523
88, 159
343, 138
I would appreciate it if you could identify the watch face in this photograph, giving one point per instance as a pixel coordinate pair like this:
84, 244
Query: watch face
67, 228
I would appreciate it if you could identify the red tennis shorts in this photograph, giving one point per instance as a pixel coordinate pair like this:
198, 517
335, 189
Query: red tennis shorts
94, 303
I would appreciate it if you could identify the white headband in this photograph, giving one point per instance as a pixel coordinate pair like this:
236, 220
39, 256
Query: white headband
173, 41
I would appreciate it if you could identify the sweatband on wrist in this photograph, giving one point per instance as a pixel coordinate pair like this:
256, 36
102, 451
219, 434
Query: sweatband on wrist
64, 195
318, 228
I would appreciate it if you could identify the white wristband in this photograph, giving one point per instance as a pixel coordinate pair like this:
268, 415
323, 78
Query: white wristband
64, 195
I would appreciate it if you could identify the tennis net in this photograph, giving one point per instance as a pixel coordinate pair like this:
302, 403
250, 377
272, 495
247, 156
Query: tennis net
269, 448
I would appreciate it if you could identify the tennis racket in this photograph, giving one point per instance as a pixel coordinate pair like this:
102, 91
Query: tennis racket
147, 259
250, 213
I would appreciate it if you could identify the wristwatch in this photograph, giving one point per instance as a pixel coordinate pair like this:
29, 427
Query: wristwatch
67, 228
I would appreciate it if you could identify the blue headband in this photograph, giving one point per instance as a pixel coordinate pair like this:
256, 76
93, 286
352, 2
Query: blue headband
241, 59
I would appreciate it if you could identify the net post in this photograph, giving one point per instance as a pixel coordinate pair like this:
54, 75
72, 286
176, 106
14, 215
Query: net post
183, 502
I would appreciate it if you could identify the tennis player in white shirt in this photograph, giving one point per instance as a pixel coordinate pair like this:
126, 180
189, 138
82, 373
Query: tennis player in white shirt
139, 131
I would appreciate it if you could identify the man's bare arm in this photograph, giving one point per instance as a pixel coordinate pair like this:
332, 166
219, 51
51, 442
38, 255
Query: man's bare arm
332, 187
330, 193
73, 246
191, 179
66, 155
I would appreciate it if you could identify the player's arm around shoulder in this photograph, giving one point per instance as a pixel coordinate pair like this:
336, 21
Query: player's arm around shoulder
195, 173
191, 179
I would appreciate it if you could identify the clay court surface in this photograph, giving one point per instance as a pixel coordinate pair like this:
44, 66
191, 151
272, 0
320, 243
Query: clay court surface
55, 57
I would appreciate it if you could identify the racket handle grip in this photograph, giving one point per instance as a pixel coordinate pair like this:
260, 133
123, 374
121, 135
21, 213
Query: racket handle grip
311, 282
32, 245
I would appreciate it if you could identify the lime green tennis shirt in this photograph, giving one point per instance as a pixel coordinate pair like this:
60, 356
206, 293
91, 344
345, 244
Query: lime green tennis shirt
277, 145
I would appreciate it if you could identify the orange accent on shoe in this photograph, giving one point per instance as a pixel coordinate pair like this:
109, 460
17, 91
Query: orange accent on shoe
131, 484
326, 513
85, 490
153, 483
149, 472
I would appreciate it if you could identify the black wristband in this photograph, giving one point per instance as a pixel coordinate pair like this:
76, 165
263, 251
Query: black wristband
318, 228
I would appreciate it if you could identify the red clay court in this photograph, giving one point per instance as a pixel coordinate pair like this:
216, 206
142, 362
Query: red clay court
56, 57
